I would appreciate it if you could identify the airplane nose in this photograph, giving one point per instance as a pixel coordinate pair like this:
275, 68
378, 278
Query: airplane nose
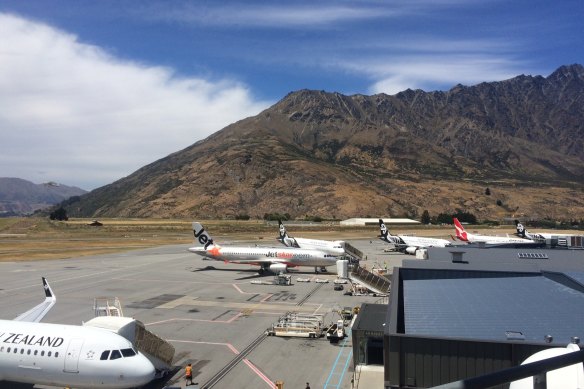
142, 371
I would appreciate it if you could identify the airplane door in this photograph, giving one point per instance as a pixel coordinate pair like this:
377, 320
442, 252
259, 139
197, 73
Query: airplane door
72, 356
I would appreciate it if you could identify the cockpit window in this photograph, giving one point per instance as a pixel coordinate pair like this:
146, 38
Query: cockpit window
115, 354
104, 355
128, 352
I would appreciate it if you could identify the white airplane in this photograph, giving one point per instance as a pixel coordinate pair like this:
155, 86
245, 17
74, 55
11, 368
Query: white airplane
332, 247
464, 236
410, 244
541, 236
67, 355
275, 260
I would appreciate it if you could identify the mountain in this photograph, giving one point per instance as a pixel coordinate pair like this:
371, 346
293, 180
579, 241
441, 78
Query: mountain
21, 197
330, 155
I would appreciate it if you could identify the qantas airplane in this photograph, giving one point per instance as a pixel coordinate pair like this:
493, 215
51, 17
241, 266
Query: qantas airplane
331, 247
67, 355
464, 236
410, 244
275, 260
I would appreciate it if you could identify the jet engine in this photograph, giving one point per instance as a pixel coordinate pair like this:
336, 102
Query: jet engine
278, 268
411, 250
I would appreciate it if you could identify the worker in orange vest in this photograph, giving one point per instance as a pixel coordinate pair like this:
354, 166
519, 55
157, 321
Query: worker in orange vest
189, 374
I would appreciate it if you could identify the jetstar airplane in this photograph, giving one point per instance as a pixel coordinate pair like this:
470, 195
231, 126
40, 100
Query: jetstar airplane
331, 247
464, 236
410, 244
275, 260
67, 355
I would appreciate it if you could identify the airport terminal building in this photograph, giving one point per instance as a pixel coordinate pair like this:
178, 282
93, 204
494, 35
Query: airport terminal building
465, 313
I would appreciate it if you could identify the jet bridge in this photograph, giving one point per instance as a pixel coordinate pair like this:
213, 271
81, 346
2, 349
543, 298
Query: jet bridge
156, 349
374, 282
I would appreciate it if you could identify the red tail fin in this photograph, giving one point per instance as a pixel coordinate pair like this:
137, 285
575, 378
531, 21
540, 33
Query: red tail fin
460, 232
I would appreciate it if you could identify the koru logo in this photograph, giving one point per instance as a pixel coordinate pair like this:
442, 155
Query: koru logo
383, 229
520, 227
282, 230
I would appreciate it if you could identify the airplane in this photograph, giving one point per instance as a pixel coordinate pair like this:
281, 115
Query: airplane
464, 236
541, 236
68, 355
332, 247
410, 244
275, 260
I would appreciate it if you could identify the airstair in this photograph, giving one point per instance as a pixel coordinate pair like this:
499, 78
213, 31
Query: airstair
374, 282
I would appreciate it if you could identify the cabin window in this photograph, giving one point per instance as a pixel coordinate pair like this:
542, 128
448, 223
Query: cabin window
128, 352
28, 352
49, 354
115, 354
8, 350
22, 351
104, 355
36, 352
2, 348
43, 353
56, 354
15, 350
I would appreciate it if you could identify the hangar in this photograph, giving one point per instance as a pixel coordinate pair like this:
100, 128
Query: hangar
375, 221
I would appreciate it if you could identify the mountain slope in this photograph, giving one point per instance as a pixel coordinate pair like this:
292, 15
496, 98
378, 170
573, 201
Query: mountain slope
326, 154
21, 197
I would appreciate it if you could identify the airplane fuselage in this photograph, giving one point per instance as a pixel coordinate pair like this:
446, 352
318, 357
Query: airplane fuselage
330, 247
259, 255
71, 356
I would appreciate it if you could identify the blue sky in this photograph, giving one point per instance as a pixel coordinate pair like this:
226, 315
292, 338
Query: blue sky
91, 91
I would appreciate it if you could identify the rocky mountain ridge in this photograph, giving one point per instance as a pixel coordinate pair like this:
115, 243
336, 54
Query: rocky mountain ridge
331, 155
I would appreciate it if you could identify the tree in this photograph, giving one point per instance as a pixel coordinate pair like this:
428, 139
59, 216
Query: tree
59, 214
425, 217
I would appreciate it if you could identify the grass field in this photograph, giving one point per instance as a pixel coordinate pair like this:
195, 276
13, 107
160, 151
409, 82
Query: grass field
23, 239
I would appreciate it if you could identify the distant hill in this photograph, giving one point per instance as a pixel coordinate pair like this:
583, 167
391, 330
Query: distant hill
331, 155
20, 197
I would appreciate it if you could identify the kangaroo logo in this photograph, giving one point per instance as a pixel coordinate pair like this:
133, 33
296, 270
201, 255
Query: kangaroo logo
460, 232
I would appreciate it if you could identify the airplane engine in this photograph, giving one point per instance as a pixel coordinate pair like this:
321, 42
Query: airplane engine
278, 268
411, 250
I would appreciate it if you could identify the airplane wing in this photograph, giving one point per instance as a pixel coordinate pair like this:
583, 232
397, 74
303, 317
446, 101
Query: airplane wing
37, 313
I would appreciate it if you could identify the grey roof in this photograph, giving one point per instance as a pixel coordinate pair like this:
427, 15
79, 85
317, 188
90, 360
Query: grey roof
486, 308
371, 317
576, 276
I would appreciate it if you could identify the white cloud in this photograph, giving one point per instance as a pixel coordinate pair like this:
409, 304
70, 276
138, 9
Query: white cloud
73, 113
280, 16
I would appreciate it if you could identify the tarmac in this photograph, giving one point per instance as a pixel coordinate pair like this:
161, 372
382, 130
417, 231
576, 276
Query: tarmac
209, 310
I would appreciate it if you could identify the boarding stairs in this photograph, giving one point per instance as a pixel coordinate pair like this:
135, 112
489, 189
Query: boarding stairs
374, 282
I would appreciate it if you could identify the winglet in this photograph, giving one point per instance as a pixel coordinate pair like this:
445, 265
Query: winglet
48, 290
37, 313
